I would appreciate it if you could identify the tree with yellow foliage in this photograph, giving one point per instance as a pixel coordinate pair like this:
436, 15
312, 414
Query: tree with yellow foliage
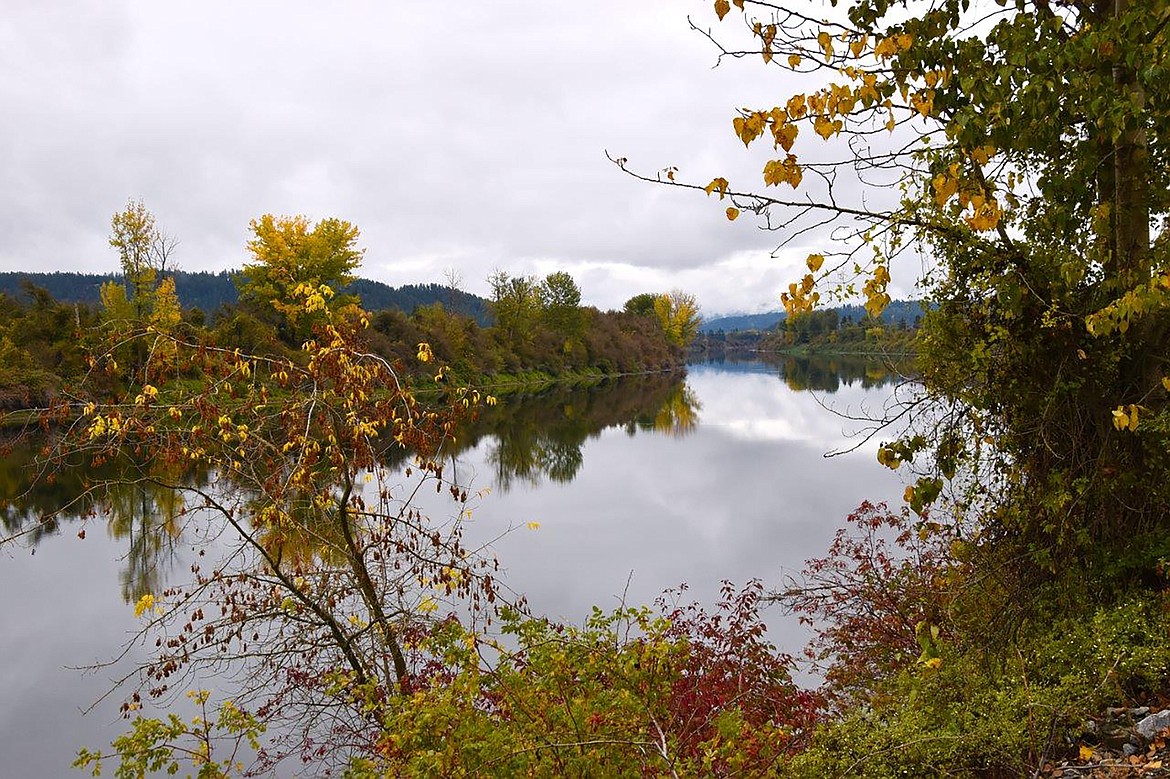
678, 313
289, 253
1022, 150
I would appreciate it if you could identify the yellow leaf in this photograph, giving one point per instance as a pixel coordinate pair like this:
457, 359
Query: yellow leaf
814, 262
923, 102
722, 7
1120, 418
945, 185
1166, 382
144, 604
1086, 752
982, 154
732, 213
793, 60
826, 42
796, 107
826, 128
532, 525
785, 135
719, 184
778, 172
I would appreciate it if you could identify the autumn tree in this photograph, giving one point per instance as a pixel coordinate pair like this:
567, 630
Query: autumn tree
1017, 154
147, 301
330, 576
145, 251
678, 313
290, 255
1021, 149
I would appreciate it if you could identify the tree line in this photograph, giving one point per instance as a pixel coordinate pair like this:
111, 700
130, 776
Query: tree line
533, 326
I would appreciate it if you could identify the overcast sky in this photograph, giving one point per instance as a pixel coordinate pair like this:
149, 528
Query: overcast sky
460, 137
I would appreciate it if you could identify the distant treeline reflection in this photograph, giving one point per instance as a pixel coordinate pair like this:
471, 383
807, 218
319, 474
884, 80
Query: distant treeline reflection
825, 372
139, 506
540, 436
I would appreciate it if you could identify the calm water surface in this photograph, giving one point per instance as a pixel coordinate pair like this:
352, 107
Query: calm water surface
637, 489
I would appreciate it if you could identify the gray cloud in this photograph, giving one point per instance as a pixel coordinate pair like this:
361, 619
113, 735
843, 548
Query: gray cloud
470, 136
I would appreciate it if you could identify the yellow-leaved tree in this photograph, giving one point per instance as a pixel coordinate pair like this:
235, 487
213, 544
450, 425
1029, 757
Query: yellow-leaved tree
678, 313
323, 577
291, 255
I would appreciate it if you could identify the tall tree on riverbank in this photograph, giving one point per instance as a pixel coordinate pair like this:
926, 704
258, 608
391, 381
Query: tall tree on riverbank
145, 251
678, 313
1030, 142
1023, 151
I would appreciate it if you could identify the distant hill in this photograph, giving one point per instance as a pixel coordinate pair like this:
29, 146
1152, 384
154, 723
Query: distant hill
739, 322
208, 291
907, 311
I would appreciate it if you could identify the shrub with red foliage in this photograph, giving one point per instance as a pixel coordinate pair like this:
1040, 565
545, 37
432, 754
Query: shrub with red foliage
731, 667
870, 597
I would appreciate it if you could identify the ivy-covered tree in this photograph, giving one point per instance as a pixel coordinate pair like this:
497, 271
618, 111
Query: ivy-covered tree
1021, 149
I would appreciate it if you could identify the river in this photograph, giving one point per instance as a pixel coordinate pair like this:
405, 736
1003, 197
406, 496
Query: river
590, 497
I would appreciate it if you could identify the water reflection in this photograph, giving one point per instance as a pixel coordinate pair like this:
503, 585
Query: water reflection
744, 493
142, 509
527, 439
536, 437
824, 373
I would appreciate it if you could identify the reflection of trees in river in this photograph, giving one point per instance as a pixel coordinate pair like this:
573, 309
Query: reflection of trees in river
140, 506
540, 436
828, 373
147, 516
531, 438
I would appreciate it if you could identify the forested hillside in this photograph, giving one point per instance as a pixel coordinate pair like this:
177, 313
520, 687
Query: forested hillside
897, 313
208, 291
